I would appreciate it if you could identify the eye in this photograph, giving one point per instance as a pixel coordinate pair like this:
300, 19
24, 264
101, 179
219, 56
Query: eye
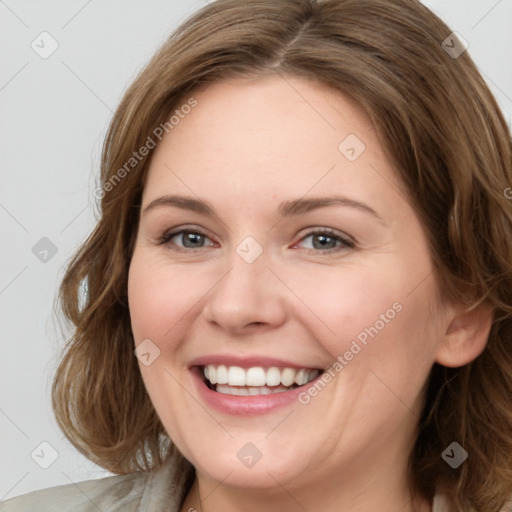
184, 240
326, 240
188, 240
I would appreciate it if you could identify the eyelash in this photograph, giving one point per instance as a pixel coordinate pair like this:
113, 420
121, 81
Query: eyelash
346, 242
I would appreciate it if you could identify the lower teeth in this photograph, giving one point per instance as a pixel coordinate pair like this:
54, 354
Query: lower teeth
246, 390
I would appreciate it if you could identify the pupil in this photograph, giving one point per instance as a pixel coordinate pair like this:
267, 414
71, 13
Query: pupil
323, 239
192, 237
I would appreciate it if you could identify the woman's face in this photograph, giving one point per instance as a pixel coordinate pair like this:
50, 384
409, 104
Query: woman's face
275, 237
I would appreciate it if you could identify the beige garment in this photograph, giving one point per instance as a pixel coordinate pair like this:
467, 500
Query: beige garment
156, 491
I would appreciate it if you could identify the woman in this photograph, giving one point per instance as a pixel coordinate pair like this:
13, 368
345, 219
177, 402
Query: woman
306, 238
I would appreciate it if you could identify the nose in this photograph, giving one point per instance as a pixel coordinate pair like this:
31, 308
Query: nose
247, 297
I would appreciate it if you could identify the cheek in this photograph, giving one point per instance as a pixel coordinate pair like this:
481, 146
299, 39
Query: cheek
347, 300
154, 306
160, 297
370, 303
373, 312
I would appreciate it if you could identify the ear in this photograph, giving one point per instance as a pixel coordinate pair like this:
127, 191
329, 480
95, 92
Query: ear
466, 336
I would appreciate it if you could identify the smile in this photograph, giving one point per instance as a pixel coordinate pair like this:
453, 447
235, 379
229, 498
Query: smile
257, 380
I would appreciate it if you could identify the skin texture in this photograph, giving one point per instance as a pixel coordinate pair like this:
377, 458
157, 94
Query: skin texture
247, 146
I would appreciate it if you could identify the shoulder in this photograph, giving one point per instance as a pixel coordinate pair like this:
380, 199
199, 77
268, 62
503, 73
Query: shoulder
121, 492
159, 490
440, 503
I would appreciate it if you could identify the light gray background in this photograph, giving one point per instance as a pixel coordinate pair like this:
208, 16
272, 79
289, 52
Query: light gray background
55, 113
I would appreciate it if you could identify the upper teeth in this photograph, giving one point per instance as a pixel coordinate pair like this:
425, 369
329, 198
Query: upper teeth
258, 376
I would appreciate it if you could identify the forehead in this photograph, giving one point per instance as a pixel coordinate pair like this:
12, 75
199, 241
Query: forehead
267, 137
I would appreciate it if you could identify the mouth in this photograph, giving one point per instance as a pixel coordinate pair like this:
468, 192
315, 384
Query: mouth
254, 381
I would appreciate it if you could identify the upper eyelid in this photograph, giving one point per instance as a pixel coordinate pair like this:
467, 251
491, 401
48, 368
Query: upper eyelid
186, 229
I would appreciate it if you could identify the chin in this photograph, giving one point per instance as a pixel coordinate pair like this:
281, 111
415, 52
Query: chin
234, 467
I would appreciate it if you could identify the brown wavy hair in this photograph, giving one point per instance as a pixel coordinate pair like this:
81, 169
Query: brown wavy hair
445, 135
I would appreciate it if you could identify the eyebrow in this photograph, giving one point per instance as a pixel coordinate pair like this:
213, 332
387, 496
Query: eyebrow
286, 208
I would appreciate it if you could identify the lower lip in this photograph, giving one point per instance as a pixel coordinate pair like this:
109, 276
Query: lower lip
245, 405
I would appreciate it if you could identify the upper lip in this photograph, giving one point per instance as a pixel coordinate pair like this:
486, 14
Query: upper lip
247, 362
